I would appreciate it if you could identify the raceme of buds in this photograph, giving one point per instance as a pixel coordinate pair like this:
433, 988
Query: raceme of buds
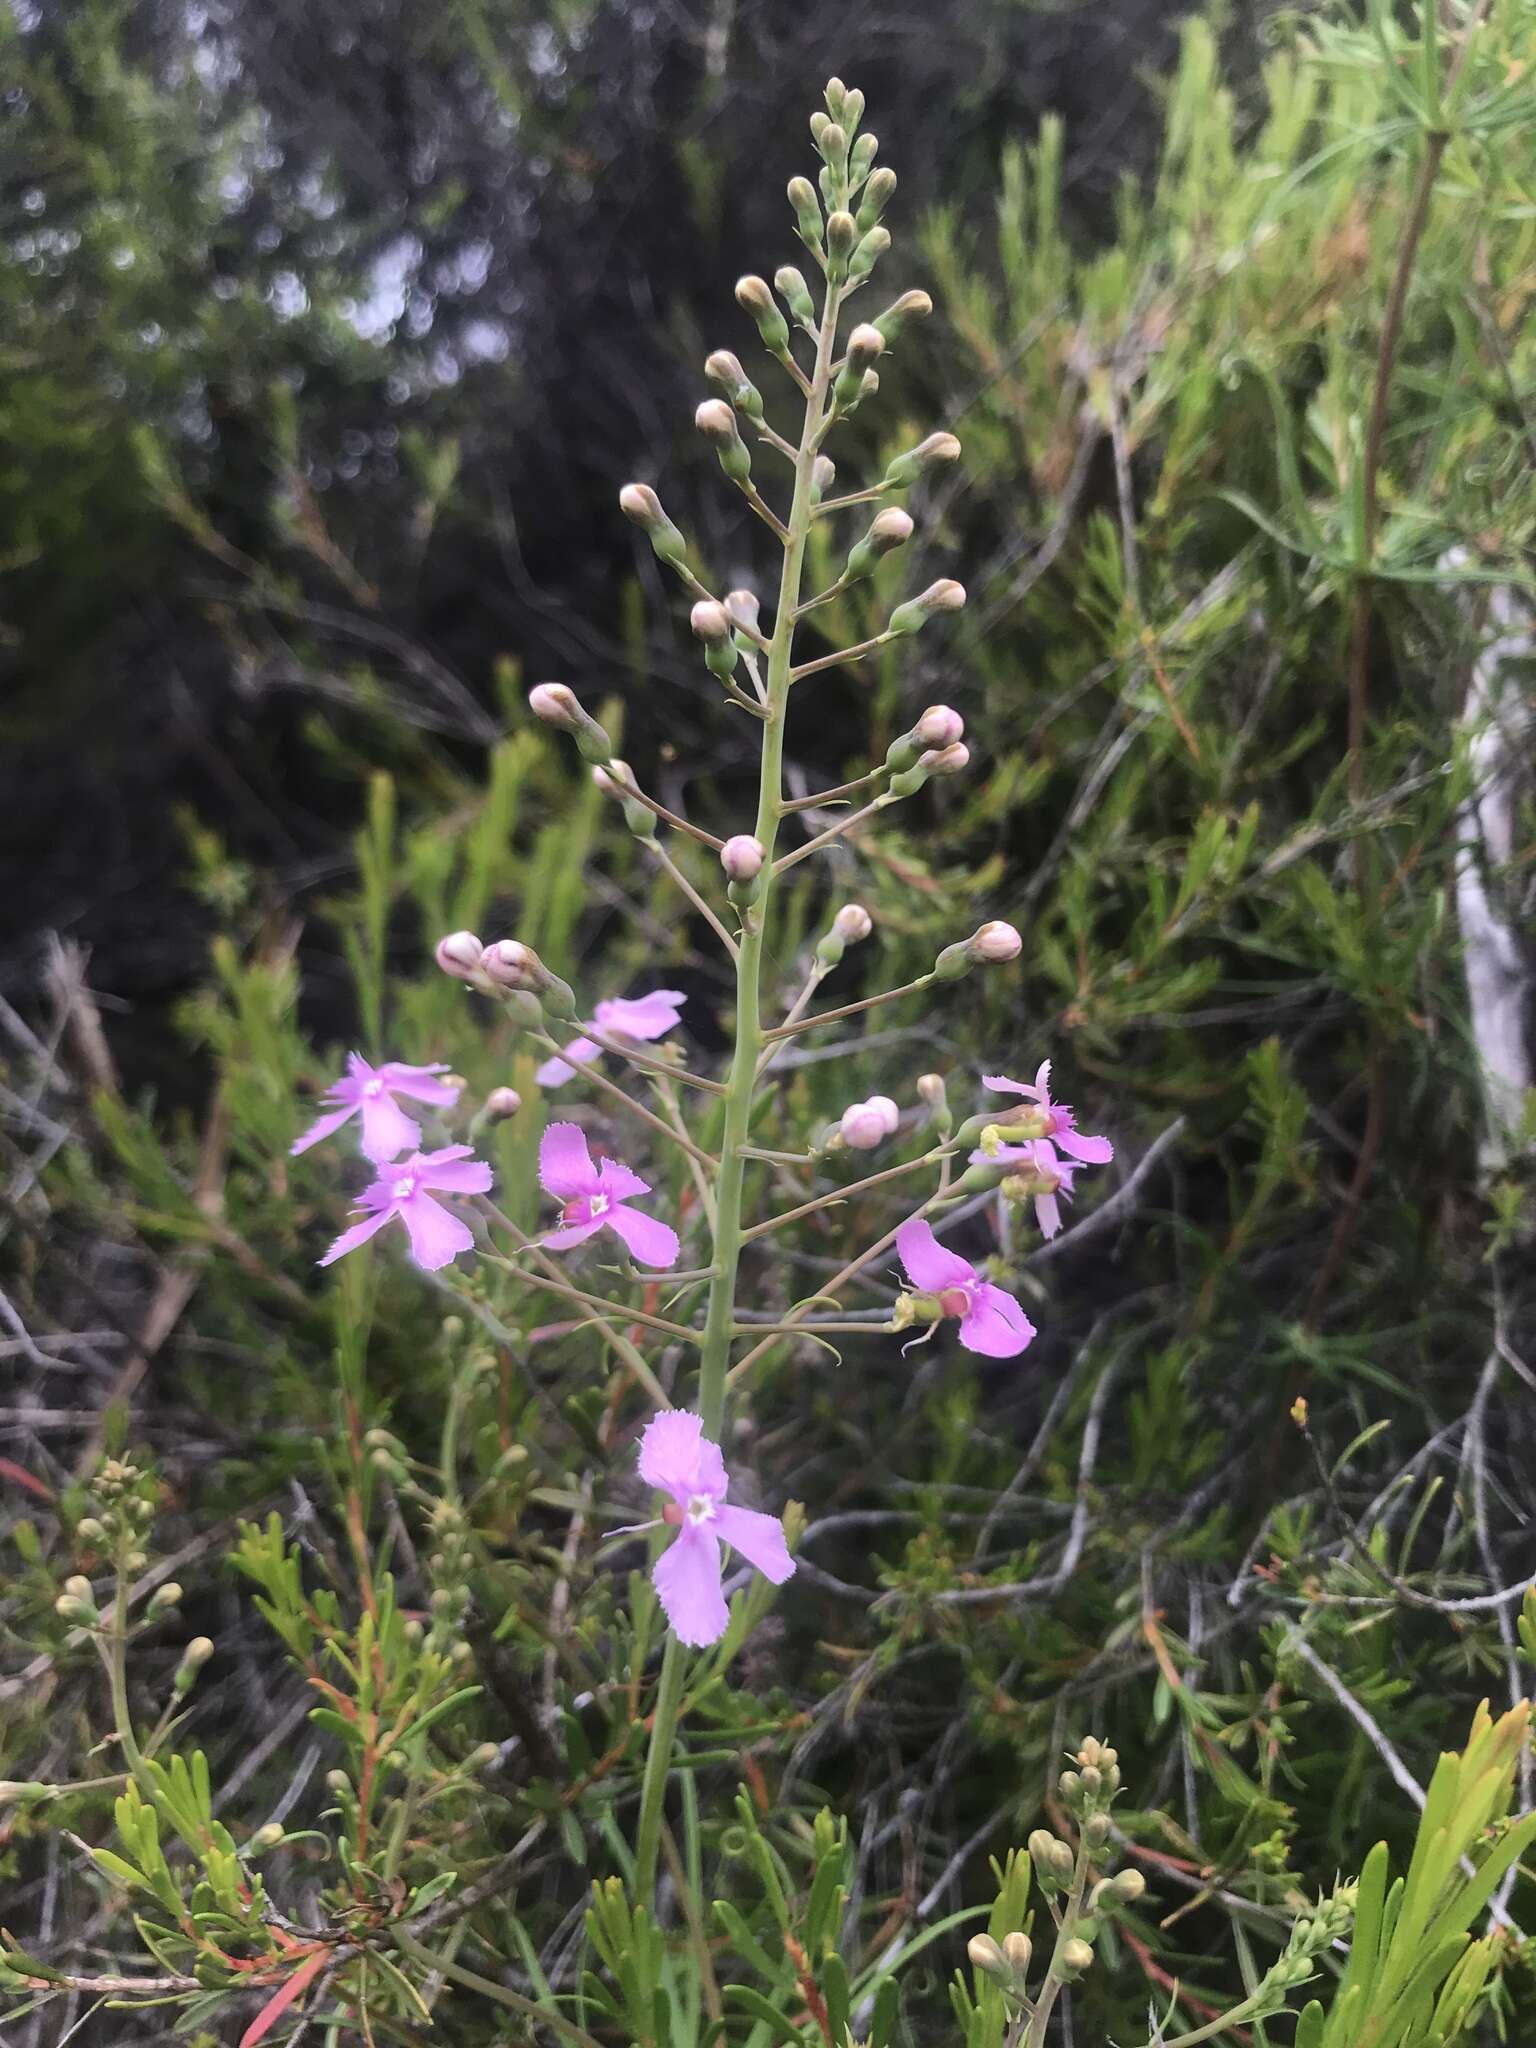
889, 529
742, 858
754, 297
944, 596
724, 369
459, 955
557, 705
716, 421
641, 504
906, 469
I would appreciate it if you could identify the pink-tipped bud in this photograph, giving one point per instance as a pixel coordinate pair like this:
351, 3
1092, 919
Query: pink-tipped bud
944, 596
502, 1103
889, 1114
459, 955
641, 504
891, 528
742, 857
864, 344
853, 923
510, 964
939, 726
715, 419
823, 476
744, 608
710, 620
862, 1127
996, 942
930, 1089
617, 778
556, 705
948, 760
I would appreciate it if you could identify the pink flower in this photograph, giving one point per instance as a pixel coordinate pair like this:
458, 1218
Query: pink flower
597, 1198
1052, 1119
436, 1236
387, 1130
1045, 1176
991, 1321
678, 1459
640, 1019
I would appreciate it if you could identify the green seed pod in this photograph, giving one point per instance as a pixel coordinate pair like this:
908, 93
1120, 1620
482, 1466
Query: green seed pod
717, 423
802, 197
906, 469
754, 297
724, 369
899, 315
793, 289
878, 193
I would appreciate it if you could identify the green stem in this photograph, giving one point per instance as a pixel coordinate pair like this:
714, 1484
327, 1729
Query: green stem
1055, 1976
719, 1325
503, 1994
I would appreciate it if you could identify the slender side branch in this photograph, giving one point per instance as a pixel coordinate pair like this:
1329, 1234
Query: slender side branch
788, 1029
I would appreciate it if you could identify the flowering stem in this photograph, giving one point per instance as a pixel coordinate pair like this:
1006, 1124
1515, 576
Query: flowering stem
719, 1326
1066, 1930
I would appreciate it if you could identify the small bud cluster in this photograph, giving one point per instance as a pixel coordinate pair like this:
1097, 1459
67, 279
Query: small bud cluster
864, 1125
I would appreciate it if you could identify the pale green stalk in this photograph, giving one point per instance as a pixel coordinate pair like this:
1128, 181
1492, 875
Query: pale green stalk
719, 1324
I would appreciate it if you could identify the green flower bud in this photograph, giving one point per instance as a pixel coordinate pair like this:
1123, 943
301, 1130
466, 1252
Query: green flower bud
946, 595
853, 110
724, 369
887, 530
70, 1607
802, 197
1096, 1830
987, 1956
823, 476
906, 469
641, 504
90, 1531
78, 1587
511, 965
877, 197
792, 287
754, 297
1018, 1949
193, 1658
1074, 1957
900, 314
266, 1837
833, 144
164, 1598
864, 346
1129, 1886
717, 423
842, 240
835, 94
24, 1792
860, 158
868, 253
1042, 1846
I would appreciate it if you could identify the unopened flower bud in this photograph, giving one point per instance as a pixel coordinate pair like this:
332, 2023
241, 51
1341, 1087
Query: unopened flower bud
78, 1587
863, 1127
853, 923
1071, 1786
193, 1658
72, 1607
877, 196
1017, 1949
802, 197
791, 285
502, 1103
906, 469
939, 726
860, 157
1074, 1957
710, 620
865, 346
742, 857
559, 706
823, 476
986, 1955
944, 596
89, 1530
842, 240
1129, 1886
754, 297
165, 1597
744, 609
889, 529
724, 369
948, 760
265, 1837
641, 504
717, 423
995, 942
889, 1114
459, 955
339, 1783
24, 1791
872, 246
511, 965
